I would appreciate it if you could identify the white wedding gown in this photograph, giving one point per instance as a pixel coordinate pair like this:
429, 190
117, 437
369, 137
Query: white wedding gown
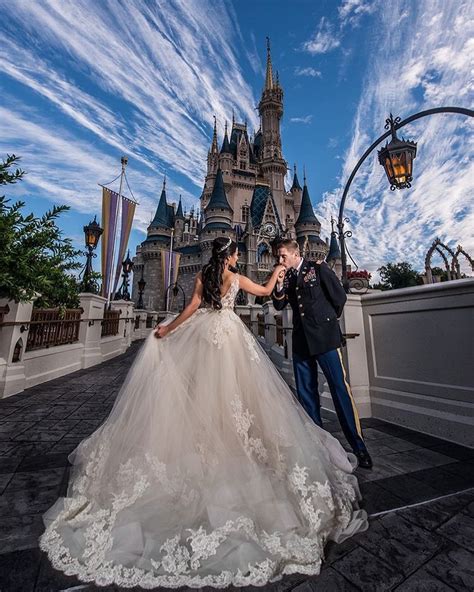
207, 472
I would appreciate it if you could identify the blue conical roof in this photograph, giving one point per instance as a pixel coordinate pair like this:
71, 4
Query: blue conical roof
179, 211
225, 145
218, 196
306, 215
334, 250
161, 215
296, 183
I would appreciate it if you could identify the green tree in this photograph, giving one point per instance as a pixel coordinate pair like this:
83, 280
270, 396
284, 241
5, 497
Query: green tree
441, 272
398, 275
35, 259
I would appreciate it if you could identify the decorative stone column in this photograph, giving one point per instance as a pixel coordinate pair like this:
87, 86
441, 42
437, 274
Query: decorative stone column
270, 326
90, 329
13, 339
355, 354
255, 310
125, 307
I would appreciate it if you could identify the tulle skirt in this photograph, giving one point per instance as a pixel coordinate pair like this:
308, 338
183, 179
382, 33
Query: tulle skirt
207, 472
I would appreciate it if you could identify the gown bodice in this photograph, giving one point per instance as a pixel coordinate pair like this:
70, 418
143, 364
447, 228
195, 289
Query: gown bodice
228, 300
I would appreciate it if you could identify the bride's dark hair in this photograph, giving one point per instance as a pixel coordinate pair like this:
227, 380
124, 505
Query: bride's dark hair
222, 247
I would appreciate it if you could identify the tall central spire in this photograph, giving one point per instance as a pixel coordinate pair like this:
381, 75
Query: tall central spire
214, 148
269, 74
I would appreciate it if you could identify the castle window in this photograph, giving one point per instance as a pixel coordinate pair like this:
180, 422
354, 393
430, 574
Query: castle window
242, 164
245, 213
186, 227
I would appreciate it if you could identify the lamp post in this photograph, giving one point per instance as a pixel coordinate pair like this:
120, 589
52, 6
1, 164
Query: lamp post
176, 288
92, 233
127, 266
141, 289
397, 159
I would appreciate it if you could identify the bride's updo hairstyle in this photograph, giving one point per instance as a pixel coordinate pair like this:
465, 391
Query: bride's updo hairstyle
222, 247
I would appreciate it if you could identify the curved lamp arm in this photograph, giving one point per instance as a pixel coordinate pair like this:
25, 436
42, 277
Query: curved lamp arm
397, 126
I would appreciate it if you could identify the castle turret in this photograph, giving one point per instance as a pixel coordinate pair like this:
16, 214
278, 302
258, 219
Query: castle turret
308, 229
213, 154
333, 258
179, 220
218, 217
225, 157
273, 165
162, 224
218, 213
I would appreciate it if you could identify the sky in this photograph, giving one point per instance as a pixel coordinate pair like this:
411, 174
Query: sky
85, 82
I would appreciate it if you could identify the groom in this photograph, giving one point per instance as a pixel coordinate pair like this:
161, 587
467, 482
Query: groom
317, 299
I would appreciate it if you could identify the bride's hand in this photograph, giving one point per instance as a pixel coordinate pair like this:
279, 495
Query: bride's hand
161, 331
281, 270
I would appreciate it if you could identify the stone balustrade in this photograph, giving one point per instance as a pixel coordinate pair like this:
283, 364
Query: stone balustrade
21, 367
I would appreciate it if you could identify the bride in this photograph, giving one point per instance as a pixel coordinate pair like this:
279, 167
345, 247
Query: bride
207, 471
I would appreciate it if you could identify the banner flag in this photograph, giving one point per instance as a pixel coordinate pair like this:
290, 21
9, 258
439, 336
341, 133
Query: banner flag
128, 212
110, 200
165, 268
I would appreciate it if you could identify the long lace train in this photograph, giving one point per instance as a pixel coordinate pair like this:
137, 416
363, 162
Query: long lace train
206, 473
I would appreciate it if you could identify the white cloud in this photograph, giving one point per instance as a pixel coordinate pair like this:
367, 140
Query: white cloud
420, 64
323, 40
307, 72
150, 61
306, 119
351, 11
72, 169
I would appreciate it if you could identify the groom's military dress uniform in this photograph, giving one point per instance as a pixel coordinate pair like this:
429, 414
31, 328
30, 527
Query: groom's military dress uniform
317, 299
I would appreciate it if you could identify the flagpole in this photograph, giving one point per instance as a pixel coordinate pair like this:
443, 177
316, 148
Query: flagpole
124, 161
169, 272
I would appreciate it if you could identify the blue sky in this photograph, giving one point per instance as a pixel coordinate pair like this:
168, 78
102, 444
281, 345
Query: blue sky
84, 82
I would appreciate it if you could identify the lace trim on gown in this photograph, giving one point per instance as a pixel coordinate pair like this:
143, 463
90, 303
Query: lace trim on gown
197, 554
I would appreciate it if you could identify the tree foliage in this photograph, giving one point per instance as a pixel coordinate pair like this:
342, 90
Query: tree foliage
398, 275
35, 258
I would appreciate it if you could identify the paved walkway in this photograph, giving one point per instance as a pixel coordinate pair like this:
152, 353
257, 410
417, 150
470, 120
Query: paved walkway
425, 547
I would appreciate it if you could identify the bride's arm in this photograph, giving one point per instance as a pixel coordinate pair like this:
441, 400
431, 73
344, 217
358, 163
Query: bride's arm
247, 285
189, 310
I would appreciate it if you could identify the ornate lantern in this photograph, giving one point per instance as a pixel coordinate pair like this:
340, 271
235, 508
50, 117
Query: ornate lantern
396, 157
92, 233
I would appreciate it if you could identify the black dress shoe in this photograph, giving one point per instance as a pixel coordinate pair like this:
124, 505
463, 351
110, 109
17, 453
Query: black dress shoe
365, 462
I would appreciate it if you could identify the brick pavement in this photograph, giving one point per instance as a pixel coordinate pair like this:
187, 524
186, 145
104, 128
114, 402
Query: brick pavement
425, 547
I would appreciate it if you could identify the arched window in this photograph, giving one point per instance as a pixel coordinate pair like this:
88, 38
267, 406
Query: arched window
245, 213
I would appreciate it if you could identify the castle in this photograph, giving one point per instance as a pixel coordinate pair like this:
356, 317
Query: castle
244, 197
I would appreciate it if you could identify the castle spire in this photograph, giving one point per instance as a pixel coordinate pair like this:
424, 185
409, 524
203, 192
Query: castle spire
161, 217
214, 148
296, 184
225, 143
218, 197
334, 250
306, 215
269, 73
179, 211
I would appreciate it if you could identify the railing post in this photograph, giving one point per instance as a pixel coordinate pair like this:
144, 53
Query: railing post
255, 310
91, 328
125, 307
355, 353
12, 374
270, 326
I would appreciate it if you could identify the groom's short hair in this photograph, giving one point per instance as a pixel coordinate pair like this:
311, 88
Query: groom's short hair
289, 244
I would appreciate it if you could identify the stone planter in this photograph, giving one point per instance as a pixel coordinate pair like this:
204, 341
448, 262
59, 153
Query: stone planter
358, 285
